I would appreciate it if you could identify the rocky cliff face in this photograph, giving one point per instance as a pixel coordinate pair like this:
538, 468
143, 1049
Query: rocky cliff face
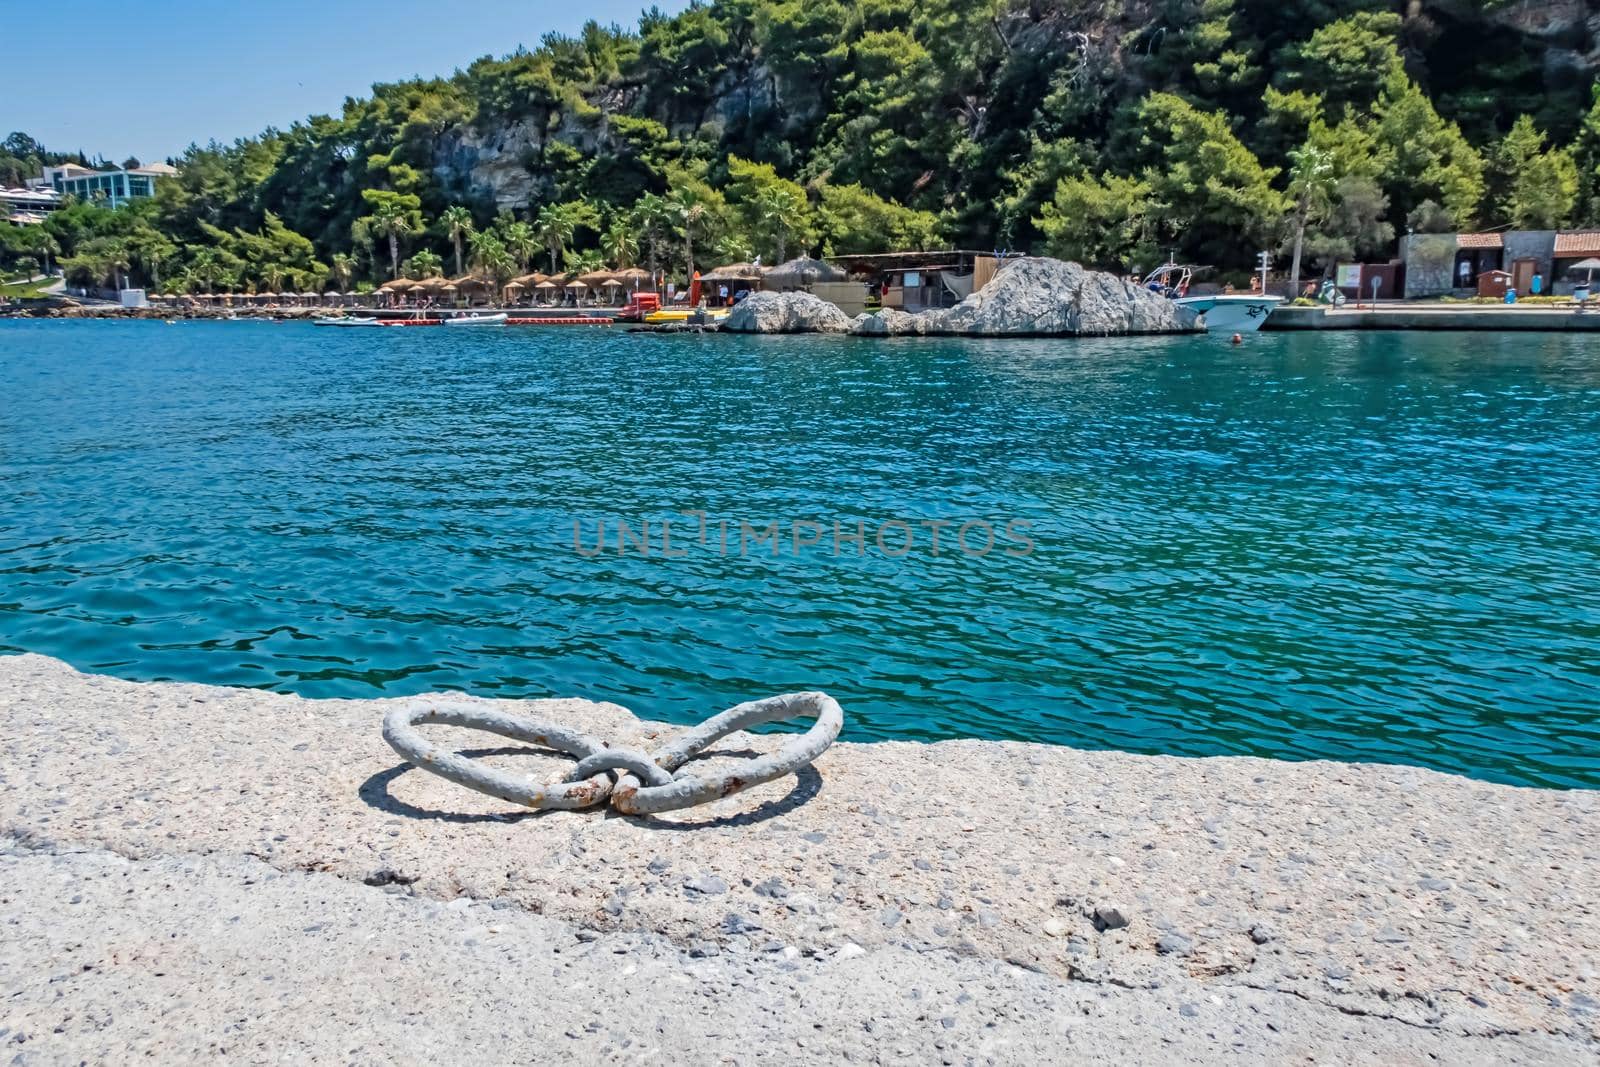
506, 161
1032, 297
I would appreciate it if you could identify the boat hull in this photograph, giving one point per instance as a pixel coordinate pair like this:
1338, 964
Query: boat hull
478, 320
1232, 314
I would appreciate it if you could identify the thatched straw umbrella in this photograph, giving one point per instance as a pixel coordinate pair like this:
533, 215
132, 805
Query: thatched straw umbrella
596, 279
733, 272
799, 273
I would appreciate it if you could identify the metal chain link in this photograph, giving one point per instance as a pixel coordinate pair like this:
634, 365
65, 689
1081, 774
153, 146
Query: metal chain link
646, 783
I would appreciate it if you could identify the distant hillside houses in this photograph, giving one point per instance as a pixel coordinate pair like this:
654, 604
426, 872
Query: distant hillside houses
29, 206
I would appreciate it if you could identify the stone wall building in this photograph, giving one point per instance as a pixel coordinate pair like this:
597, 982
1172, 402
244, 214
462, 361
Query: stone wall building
1450, 264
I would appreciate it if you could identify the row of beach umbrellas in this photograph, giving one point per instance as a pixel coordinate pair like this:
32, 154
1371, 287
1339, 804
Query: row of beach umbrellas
623, 279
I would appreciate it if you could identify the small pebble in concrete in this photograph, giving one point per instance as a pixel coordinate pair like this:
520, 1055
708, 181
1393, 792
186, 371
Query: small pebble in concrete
1172, 943
706, 885
1110, 916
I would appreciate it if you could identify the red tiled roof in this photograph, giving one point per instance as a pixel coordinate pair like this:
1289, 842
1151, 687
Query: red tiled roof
1583, 243
1480, 240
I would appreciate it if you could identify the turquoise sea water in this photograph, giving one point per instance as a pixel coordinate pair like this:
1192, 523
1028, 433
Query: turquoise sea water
1367, 546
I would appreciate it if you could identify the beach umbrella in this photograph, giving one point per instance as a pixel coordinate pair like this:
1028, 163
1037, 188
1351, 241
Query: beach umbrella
547, 285
595, 279
1588, 265
800, 272
734, 272
398, 285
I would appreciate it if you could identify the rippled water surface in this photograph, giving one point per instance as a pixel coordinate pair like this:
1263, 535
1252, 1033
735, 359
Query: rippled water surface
1368, 546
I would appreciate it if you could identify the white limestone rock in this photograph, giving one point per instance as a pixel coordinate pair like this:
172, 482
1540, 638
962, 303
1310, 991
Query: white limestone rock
1037, 296
890, 322
786, 313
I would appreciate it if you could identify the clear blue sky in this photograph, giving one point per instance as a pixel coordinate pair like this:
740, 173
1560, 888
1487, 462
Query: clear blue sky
147, 77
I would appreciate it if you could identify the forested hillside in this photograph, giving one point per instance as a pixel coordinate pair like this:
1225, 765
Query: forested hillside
1105, 132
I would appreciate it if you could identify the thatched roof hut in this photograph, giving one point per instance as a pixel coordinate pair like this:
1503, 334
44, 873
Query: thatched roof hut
801, 272
733, 272
398, 285
596, 278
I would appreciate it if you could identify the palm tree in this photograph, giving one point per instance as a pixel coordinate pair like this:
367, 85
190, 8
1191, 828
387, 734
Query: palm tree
692, 217
521, 242
457, 222
42, 242
116, 259
343, 270
485, 245
1311, 185
620, 245
424, 264
206, 268
652, 216
389, 220
154, 250
554, 227
777, 208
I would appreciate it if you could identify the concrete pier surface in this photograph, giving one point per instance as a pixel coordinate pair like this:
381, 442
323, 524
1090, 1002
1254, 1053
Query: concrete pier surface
1559, 318
191, 873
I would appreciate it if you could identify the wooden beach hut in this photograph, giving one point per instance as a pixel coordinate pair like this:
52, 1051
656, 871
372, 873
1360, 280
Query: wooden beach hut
729, 283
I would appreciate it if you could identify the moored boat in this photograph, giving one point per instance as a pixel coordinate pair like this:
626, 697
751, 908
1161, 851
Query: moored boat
1219, 312
349, 320
686, 315
1232, 312
497, 319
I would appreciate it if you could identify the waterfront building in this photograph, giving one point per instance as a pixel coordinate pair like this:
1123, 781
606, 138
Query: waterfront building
919, 281
1451, 264
29, 206
114, 187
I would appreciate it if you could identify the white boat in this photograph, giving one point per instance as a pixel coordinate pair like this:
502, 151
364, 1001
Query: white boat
349, 320
498, 319
1232, 312
1220, 312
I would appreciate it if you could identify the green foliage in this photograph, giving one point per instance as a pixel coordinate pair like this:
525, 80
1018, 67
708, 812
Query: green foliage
1101, 222
1532, 187
1427, 157
736, 128
775, 212
1347, 63
1205, 188
423, 264
851, 220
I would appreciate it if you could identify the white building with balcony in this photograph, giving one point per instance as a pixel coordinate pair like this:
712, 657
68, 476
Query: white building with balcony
113, 187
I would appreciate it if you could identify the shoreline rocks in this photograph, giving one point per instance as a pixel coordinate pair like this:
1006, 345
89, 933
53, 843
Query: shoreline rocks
795, 312
1029, 297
